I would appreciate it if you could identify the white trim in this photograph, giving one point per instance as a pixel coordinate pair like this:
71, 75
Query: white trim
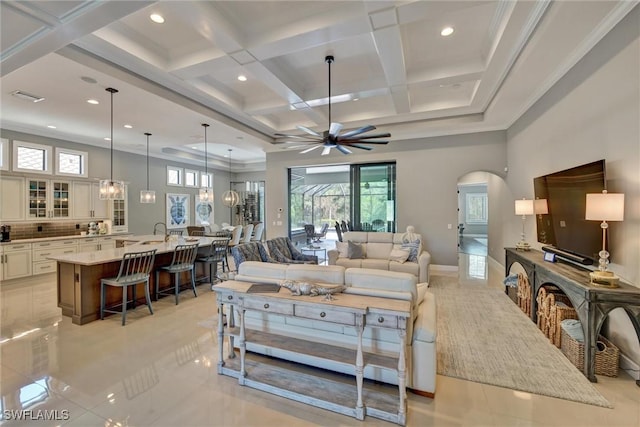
4, 154
210, 175
180, 176
84, 162
48, 157
442, 267
196, 175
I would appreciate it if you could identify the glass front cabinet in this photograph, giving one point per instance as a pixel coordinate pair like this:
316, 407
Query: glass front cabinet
48, 199
119, 218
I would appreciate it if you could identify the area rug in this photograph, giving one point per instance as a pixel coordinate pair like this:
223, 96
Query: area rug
484, 337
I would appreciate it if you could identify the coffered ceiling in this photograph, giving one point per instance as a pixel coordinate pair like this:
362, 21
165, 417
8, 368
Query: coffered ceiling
392, 68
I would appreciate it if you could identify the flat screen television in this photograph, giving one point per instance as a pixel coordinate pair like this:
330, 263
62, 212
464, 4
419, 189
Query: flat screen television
560, 222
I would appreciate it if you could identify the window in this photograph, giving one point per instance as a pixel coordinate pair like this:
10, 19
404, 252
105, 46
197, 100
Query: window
70, 162
207, 180
29, 157
190, 178
476, 209
174, 176
4, 154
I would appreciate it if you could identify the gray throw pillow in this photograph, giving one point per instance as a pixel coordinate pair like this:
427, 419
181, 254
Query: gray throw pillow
355, 250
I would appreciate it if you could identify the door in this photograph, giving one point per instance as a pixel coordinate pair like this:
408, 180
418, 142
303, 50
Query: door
374, 197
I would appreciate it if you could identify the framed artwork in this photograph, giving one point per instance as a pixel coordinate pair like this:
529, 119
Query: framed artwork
177, 210
204, 212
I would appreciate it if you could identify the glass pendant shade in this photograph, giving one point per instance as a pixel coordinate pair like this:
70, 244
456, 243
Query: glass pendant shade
111, 189
205, 195
230, 198
147, 196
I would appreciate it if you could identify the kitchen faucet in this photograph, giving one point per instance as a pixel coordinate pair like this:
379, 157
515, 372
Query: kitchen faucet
155, 228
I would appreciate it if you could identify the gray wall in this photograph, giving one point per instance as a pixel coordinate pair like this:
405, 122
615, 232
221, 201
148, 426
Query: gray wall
592, 113
428, 171
131, 168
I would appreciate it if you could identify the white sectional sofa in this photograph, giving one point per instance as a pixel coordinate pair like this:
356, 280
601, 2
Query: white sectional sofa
377, 253
421, 333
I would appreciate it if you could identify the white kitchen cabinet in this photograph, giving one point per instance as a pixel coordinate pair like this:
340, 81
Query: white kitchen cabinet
119, 215
12, 198
48, 199
43, 250
91, 244
86, 202
16, 261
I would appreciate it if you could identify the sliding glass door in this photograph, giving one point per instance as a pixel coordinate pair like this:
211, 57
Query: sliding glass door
374, 197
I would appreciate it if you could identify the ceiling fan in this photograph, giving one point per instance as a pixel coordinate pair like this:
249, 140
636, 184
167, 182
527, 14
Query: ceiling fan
332, 138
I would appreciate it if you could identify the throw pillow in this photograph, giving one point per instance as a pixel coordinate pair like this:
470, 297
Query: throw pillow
343, 249
412, 247
355, 250
398, 255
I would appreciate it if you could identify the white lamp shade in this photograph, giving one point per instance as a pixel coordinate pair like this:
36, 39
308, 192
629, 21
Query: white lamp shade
205, 194
541, 207
230, 198
147, 196
605, 206
111, 190
524, 207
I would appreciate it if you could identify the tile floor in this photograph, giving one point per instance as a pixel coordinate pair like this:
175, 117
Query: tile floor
160, 370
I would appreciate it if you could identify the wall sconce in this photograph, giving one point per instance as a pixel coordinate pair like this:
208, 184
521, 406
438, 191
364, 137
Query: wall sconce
604, 207
147, 196
206, 192
111, 189
524, 207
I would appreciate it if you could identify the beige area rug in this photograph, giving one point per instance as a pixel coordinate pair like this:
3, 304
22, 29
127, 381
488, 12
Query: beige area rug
484, 337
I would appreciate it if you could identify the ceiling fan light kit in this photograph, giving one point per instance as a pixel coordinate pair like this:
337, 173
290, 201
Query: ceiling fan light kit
332, 138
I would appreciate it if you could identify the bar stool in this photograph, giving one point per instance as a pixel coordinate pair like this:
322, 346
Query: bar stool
183, 260
217, 253
135, 268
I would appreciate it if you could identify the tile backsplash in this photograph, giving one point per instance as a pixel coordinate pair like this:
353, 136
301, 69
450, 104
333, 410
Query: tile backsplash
34, 230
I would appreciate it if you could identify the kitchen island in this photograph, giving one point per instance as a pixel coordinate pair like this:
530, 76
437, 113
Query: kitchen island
79, 274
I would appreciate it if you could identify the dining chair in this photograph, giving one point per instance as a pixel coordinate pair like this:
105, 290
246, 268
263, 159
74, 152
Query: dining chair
235, 236
184, 257
135, 269
217, 254
257, 232
248, 231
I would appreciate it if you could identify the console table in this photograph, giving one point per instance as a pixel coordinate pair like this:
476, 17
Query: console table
357, 311
592, 303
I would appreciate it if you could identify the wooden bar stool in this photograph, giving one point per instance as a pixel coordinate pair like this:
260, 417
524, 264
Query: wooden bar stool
183, 260
135, 268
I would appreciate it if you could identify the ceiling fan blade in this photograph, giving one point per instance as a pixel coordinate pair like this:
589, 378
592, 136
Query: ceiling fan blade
363, 141
375, 135
304, 137
362, 147
309, 131
354, 132
343, 150
327, 150
293, 147
310, 149
334, 129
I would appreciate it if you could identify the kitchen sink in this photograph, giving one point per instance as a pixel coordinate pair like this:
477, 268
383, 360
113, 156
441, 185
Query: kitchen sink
151, 242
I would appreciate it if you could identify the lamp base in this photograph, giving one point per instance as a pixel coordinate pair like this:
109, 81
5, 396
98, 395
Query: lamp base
523, 246
604, 278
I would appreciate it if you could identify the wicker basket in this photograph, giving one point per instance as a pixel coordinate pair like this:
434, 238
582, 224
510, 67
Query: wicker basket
606, 358
553, 307
524, 294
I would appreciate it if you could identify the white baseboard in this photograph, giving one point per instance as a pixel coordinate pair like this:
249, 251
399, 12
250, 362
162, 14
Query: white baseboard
440, 267
493, 263
630, 367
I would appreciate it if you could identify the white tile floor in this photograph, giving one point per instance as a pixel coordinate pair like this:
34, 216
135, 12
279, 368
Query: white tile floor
160, 370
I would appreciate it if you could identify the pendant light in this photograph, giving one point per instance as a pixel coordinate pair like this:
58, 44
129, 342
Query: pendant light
206, 192
147, 196
230, 198
111, 189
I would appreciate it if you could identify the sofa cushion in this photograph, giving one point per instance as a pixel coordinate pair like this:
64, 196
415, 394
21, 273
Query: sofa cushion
356, 250
422, 290
320, 274
407, 267
425, 323
380, 238
382, 280
262, 270
355, 236
349, 263
379, 250
380, 264
398, 255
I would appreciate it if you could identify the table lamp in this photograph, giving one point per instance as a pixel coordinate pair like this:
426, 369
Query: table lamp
524, 207
604, 207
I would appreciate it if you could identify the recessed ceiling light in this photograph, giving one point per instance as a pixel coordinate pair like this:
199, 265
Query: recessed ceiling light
51, 127
93, 101
157, 18
242, 78
446, 31
88, 79
195, 148
128, 126
107, 139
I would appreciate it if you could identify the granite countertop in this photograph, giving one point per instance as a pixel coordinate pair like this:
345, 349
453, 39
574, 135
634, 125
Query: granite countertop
74, 236
136, 244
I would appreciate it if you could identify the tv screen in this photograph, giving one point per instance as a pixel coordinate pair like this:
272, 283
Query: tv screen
560, 209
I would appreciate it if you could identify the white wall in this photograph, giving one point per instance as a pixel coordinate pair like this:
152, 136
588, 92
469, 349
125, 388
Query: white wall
591, 113
427, 177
